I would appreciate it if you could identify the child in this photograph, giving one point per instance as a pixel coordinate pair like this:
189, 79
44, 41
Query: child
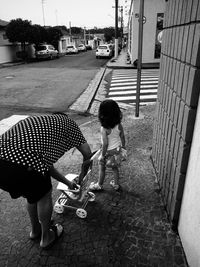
113, 142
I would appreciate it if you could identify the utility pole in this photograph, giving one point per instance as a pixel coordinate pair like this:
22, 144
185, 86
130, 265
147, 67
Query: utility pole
84, 35
139, 64
43, 12
56, 13
70, 32
116, 28
121, 10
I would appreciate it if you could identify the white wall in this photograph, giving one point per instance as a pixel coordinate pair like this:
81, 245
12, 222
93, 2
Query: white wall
8, 53
189, 221
151, 8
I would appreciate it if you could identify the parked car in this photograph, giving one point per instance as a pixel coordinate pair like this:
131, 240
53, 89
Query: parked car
105, 50
88, 47
46, 51
113, 47
82, 47
71, 49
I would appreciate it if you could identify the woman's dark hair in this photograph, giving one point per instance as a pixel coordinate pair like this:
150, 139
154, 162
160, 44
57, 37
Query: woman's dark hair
109, 114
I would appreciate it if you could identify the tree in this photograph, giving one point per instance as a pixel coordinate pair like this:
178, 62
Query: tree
23, 31
18, 30
109, 33
53, 36
76, 30
37, 34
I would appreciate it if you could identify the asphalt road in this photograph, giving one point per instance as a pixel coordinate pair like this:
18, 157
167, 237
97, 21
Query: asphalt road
46, 86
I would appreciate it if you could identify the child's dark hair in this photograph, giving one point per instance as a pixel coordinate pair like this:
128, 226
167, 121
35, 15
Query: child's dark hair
109, 114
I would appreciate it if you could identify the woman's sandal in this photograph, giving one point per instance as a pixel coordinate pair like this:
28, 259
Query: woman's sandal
58, 231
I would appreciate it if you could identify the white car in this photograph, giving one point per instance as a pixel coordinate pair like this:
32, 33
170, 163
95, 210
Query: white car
71, 49
46, 51
82, 47
105, 50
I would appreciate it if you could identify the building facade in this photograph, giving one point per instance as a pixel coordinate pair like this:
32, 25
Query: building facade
152, 30
7, 49
176, 146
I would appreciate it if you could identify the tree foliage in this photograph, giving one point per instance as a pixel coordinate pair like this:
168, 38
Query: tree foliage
18, 30
38, 34
23, 31
53, 35
76, 30
109, 34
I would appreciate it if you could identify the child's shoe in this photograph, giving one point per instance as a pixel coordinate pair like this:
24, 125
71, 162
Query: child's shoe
114, 185
95, 187
124, 154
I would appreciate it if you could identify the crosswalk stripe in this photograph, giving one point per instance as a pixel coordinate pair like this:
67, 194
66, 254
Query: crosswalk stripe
134, 74
133, 92
122, 98
123, 86
129, 83
134, 79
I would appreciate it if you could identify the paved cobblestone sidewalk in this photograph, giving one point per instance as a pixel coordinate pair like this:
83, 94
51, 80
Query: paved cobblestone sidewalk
126, 228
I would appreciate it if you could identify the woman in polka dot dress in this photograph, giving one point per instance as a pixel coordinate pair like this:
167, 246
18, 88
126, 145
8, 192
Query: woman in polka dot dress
28, 151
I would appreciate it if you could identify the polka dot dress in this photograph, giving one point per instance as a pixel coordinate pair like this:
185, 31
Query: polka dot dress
39, 141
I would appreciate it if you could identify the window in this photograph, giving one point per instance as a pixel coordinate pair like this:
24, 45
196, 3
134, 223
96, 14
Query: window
158, 39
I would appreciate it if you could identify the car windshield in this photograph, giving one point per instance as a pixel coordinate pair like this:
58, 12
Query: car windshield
40, 47
103, 47
70, 46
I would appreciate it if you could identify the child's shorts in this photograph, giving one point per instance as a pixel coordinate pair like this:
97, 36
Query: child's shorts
113, 158
19, 181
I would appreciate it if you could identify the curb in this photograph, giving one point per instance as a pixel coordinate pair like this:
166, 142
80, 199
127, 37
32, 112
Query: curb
83, 103
11, 64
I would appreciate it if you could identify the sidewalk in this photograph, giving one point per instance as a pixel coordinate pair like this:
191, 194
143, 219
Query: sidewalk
122, 63
126, 228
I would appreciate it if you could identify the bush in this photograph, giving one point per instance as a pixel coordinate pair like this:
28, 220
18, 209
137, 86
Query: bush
22, 54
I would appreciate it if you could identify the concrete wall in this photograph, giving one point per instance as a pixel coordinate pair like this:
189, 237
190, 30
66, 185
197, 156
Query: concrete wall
178, 95
189, 229
8, 53
151, 8
7, 50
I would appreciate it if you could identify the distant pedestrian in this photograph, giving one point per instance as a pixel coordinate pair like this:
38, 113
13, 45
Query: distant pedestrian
28, 151
113, 143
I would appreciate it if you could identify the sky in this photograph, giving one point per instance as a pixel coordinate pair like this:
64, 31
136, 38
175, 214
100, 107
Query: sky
77, 13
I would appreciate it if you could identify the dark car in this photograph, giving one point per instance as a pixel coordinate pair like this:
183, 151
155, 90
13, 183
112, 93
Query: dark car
88, 47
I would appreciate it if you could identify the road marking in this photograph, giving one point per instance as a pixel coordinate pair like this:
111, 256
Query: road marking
124, 84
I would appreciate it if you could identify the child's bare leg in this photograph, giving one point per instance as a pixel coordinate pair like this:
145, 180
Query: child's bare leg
102, 171
116, 175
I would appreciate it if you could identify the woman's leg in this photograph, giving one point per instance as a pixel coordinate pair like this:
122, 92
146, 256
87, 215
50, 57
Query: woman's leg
35, 224
45, 209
